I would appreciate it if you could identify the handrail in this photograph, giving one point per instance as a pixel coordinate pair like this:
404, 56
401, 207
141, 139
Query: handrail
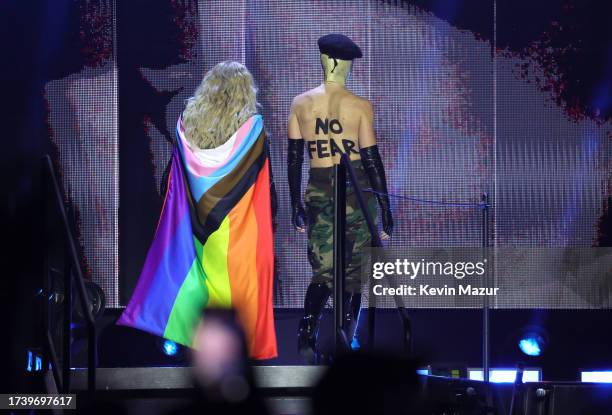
339, 250
486, 320
339, 246
340, 224
72, 273
376, 242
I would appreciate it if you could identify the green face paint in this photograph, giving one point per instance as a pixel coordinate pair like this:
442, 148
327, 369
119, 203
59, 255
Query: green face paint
335, 70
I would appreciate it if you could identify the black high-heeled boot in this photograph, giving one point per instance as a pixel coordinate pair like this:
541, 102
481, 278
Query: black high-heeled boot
317, 295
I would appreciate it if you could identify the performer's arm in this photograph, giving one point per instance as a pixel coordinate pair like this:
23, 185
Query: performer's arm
295, 159
370, 157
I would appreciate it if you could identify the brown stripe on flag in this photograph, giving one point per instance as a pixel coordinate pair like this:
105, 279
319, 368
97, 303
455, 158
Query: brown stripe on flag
209, 200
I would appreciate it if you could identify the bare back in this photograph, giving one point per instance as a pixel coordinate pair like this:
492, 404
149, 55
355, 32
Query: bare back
331, 120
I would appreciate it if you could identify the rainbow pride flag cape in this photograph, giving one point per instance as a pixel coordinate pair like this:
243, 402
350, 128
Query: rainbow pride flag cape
213, 244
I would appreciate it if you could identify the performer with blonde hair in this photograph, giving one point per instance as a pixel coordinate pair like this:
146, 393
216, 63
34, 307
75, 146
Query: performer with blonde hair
213, 246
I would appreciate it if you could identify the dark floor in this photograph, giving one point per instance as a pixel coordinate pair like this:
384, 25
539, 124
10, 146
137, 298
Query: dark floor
578, 339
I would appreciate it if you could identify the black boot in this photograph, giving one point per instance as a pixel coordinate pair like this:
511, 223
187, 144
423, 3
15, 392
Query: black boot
352, 306
317, 295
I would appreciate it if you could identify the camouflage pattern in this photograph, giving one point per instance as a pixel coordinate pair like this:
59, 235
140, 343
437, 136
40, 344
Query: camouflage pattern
320, 210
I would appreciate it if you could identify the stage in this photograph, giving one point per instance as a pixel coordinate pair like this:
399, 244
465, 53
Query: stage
351, 206
147, 380
288, 389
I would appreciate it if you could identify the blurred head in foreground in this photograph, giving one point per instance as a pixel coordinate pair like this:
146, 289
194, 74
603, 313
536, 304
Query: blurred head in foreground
218, 346
223, 380
219, 356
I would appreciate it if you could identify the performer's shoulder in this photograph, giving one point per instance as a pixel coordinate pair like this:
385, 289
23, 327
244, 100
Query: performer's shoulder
303, 98
360, 104
359, 100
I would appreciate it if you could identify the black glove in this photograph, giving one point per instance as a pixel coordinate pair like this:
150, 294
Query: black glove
295, 159
370, 157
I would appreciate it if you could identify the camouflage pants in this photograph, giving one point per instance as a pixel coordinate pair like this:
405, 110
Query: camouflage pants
320, 209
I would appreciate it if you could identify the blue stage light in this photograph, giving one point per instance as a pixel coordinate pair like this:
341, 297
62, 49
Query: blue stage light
34, 362
531, 345
601, 376
506, 375
170, 348
30, 366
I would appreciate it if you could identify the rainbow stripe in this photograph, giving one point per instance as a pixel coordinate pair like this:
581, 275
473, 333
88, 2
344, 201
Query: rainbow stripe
213, 245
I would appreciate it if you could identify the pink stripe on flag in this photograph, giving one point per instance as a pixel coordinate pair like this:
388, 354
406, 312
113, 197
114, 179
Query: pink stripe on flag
193, 163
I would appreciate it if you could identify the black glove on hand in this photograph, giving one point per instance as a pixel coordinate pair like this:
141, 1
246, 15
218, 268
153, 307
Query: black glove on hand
295, 159
370, 158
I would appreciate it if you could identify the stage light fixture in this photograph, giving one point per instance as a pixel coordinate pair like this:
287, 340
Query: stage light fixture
34, 361
170, 348
530, 346
532, 341
506, 375
30, 366
596, 376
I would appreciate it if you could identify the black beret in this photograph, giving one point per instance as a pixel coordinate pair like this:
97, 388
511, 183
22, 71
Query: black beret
339, 46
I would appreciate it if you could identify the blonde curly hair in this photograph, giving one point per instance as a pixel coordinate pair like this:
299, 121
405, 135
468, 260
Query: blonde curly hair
225, 99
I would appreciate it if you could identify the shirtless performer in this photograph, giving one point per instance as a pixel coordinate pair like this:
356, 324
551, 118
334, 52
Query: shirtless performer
332, 120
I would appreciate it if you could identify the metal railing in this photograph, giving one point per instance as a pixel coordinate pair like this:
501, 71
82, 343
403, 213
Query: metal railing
340, 171
339, 246
72, 274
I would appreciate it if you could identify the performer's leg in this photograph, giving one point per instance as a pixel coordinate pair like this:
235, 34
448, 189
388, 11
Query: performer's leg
317, 295
320, 256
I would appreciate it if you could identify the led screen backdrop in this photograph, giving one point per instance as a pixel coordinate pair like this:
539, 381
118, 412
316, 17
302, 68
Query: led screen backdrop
453, 119
83, 126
